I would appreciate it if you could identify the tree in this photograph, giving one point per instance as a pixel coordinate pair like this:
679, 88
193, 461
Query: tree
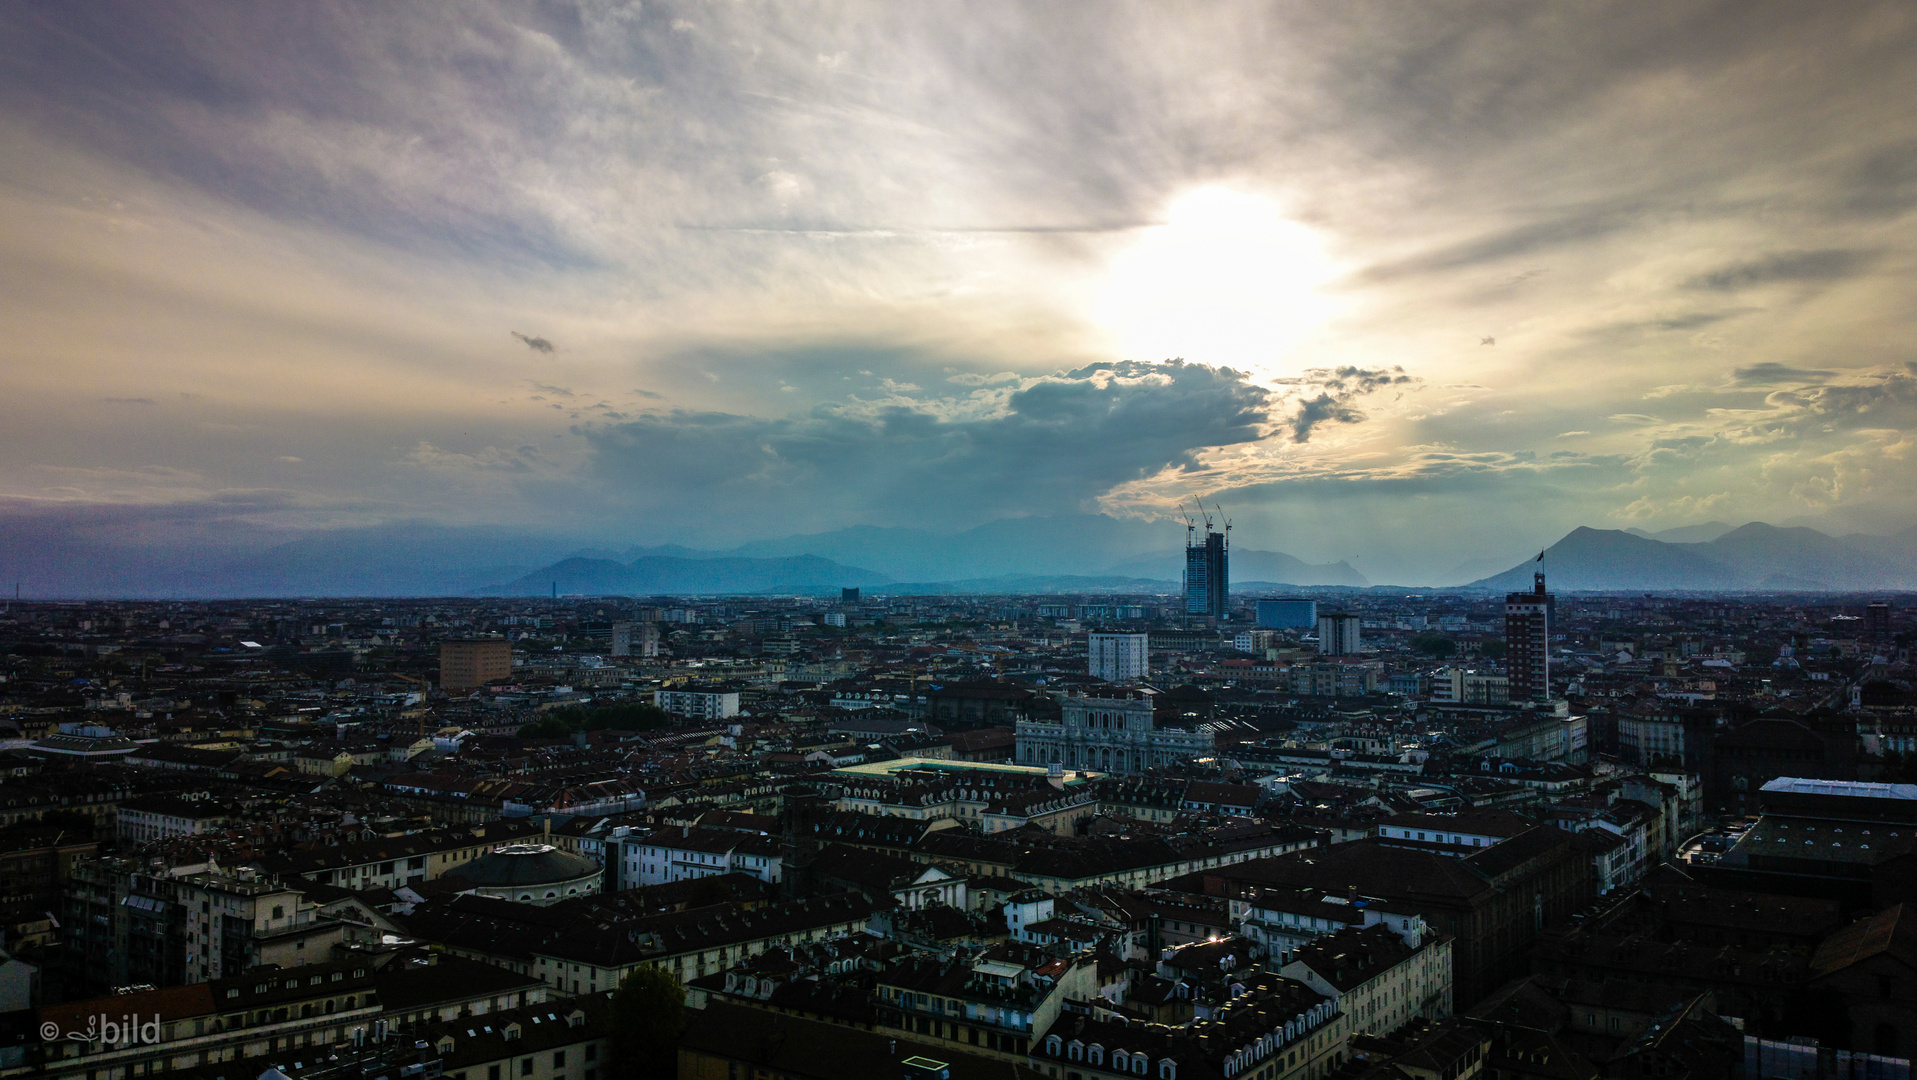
1493, 648
1436, 646
646, 1011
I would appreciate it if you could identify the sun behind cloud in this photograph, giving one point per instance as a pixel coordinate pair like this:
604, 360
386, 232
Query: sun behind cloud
1226, 280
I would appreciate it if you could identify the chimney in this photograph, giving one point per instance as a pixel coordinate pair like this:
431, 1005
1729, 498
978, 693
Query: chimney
1351, 893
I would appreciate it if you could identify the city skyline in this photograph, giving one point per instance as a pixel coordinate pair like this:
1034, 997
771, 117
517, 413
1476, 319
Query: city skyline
1414, 290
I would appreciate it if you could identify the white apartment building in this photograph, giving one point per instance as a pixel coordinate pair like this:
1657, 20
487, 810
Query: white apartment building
1254, 641
685, 852
238, 921
1118, 658
1337, 634
1378, 978
698, 704
1285, 920
1469, 829
1457, 685
156, 817
640, 640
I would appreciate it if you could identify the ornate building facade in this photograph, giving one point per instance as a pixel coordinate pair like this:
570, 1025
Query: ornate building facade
1114, 730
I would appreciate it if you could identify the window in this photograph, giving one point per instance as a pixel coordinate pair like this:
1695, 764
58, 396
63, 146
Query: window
559, 1059
525, 1066
492, 1072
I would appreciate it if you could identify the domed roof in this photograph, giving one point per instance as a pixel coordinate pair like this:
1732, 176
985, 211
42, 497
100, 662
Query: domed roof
527, 864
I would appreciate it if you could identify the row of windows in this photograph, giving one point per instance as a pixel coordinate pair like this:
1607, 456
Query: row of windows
528, 1064
1136, 1064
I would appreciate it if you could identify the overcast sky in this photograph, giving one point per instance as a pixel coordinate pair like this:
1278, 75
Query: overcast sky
1410, 285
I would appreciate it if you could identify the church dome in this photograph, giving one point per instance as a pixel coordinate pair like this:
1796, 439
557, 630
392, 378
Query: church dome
525, 866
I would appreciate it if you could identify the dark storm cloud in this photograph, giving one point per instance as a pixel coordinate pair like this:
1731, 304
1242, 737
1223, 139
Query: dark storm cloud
1337, 390
1056, 442
1318, 410
536, 344
1833, 264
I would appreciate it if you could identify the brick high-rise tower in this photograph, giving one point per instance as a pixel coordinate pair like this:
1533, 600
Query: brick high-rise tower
1527, 640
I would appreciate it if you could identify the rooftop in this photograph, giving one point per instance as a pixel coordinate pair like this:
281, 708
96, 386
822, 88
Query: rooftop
1856, 789
957, 768
527, 864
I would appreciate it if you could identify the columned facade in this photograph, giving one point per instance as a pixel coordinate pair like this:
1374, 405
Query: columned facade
1111, 734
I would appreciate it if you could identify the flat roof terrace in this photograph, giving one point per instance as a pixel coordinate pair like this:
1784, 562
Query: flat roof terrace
875, 769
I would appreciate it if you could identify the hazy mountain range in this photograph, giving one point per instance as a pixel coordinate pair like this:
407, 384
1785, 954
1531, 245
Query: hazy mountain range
1090, 553
666, 575
1751, 557
1085, 553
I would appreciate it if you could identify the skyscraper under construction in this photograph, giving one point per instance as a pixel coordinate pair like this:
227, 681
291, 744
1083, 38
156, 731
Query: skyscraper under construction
1207, 570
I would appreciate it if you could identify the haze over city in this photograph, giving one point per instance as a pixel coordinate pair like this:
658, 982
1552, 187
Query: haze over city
1418, 289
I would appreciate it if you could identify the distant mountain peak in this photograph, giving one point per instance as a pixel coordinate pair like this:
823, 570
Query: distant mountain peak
1756, 555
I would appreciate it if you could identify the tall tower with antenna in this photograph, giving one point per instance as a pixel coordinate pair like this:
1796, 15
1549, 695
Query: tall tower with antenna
1527, 639
1207, 565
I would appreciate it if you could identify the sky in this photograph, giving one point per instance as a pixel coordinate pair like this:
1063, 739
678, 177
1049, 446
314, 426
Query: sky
1421, 287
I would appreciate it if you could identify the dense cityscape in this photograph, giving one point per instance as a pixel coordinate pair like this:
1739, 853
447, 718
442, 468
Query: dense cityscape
1210, 835
996, 540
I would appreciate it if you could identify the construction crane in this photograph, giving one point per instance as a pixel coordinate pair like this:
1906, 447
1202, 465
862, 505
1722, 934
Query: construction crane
425, 692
